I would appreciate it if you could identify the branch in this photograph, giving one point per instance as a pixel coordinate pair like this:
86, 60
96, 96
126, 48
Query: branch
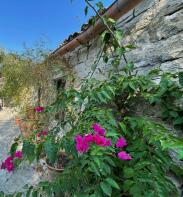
100, 55
107, 26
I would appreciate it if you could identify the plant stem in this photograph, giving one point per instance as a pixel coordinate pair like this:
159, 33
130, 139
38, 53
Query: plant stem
97, 62
107, 26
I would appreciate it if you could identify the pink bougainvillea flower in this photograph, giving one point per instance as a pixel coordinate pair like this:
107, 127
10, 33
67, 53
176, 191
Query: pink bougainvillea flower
8, 163
44, 133
78, 138
81, 145
102, 141
121, 142
10, 167
18, 154
108, 142
99, 140
82, 148
9, 160
39, 109
88, 138
39, 134
124, 156
98, 129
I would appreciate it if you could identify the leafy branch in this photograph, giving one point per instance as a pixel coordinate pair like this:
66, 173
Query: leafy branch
107, 27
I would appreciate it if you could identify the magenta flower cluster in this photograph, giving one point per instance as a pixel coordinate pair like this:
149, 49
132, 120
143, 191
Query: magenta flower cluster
8, 162
83, 142
39, 109
99, 139
42, 133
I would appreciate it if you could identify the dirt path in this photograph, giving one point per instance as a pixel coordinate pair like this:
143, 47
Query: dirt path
26, 174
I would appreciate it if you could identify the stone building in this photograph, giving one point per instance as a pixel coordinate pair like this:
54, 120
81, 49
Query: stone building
155, 27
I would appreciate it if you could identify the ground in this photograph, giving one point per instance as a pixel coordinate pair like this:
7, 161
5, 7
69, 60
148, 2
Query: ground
26, 174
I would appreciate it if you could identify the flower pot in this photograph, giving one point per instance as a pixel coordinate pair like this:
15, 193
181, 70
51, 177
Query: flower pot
27, 127
18, 121
53, 173
23, 129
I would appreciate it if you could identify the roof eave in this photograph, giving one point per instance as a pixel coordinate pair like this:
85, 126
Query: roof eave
115, 11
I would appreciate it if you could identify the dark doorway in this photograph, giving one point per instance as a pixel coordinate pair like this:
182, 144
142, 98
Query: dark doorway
60, 86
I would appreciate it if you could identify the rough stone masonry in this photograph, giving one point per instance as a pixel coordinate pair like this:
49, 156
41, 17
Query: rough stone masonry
155, 27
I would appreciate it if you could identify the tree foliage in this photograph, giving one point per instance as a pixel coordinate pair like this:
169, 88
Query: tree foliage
27, 73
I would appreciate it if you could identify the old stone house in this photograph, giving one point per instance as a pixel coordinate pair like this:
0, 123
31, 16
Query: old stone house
155, 27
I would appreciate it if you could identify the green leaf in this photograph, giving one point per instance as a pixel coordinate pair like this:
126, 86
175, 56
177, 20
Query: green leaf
112, 183
110, 161
174, 114
128, 67
105, 93
28, 193
51, 151
34, 194
106, 188
111, 20
39, 149
28, 150
86, 10
94, 168
106, 168
100, 5
120, 51
180, 154
111, 89
127, 185
135, 190
142, 164
129, 46
101, 98
178, 121
118, 34
131, 84
97, 161
123, 127
19, 194
13, 148
105, 37
181, 78
128, 172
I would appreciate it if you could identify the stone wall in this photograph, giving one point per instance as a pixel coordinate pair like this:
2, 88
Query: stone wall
155, 27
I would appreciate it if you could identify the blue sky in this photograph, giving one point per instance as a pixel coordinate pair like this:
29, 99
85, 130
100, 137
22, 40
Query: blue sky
27, 21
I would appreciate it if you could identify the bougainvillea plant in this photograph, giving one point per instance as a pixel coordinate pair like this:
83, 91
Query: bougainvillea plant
98, 138
39, 109
42, 133
10, 162
125, 153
